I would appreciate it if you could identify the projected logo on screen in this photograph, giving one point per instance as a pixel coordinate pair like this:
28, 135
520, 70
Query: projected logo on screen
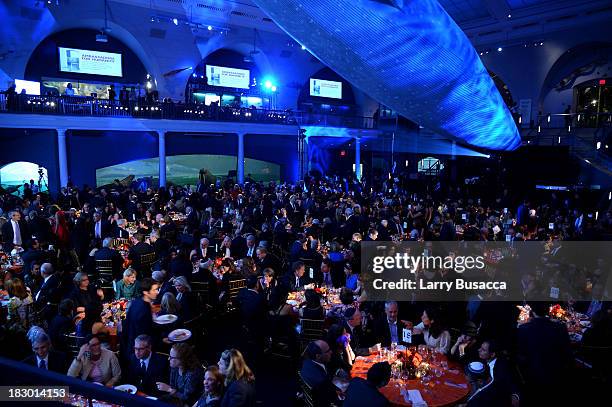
89, 62
227, 77
325, 89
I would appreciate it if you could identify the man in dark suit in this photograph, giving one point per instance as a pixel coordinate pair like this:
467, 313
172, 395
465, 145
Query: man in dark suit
39, 227
501, 389
139, 249
389, 328
34, 254
266, 260
365, 393
120, 231
314, 373
296, 281
14, 232
250, 249
138, 320
100, 228
49, 290
106, 253
146, 367
544, 355
44, 357
252, 308
352, 324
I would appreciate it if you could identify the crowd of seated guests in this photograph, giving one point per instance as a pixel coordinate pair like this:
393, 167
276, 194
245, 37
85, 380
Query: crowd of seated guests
269, 235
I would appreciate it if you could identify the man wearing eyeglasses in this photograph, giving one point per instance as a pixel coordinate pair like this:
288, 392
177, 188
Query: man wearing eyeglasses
314, 373
139, 318
146, 367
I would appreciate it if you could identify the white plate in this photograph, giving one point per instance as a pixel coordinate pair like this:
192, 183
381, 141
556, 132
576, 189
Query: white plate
127, 388
179, 335
152, 398
166, 319
293, 303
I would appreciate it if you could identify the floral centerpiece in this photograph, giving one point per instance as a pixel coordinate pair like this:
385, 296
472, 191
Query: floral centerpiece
410, 361
115, 311
525, 313
557, 312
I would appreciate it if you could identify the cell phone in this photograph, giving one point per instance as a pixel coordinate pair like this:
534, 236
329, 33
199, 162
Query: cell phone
551, 226
311, 273
464, 216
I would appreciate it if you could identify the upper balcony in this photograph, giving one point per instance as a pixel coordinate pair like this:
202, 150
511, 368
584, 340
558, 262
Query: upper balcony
84, 106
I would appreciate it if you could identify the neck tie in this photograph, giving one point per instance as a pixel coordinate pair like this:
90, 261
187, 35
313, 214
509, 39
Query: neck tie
42, 364
297, 282
17, 232
98, 229
143, 367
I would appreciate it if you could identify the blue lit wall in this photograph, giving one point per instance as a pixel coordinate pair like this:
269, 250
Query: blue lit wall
414, 59
277, 149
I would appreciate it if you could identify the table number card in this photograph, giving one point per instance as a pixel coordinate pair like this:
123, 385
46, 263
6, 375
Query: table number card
554, 292
407, 335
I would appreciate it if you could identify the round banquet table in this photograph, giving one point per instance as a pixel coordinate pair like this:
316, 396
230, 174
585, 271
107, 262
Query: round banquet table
438, 393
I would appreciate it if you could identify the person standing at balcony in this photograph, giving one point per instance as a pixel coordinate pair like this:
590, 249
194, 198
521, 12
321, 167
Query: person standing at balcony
69, 91
112, 95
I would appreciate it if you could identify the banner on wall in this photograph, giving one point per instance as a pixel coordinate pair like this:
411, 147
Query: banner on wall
525, 112
228, 77
89, 62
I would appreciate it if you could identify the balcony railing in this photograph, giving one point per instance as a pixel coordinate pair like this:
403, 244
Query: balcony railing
571, 120
93, 107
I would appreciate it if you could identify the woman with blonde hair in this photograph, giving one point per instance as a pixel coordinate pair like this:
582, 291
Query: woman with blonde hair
127, 287
239, 380
213, 388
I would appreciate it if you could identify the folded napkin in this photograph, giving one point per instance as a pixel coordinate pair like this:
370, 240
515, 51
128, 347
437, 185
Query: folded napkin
414, 397
456, 385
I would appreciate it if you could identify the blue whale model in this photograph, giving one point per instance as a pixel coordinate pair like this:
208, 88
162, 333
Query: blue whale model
409, 55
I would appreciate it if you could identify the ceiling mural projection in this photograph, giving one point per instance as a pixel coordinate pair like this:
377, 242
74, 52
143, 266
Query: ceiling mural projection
411, 56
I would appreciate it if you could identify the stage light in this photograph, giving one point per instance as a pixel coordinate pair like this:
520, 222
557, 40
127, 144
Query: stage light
499, 49
598, 145
175, 21
569, 129
268, 84
539, 129
149, 85
303, 48
559, 140
52, 104
152, 19
209, 28
548, 118
509, 15
541, 43
136, 108
273, 88
520, 119
481, 53
195, 75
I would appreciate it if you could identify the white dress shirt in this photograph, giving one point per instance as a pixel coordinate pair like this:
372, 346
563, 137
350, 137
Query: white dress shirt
16, 233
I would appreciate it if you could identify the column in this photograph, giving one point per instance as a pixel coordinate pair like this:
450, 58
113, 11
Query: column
62, 157
162, 158
240, 160
358, 158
